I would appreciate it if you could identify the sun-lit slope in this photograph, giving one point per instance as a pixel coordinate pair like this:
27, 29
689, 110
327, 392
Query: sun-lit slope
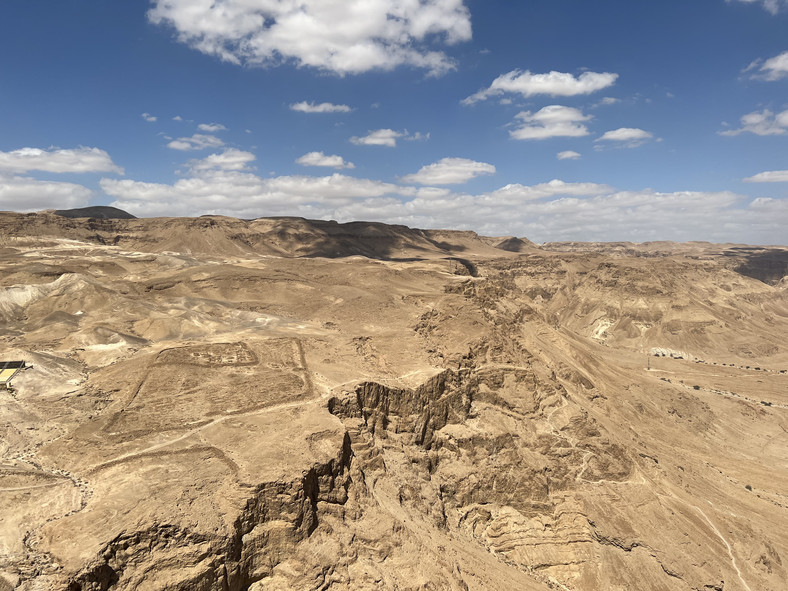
695, 435
700, 309
458, 421
285, 236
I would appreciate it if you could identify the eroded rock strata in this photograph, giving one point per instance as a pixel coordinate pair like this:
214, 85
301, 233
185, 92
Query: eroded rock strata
446, 411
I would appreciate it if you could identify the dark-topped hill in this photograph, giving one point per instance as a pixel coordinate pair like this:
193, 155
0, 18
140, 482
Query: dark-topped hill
101, 212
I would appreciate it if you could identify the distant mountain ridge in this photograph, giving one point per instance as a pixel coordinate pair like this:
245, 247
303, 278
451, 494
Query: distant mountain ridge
223, 236
279, 236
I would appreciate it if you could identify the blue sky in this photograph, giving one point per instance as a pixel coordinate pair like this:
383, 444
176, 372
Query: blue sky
550, 119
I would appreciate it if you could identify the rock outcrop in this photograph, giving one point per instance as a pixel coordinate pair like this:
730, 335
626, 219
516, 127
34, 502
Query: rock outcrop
206, 411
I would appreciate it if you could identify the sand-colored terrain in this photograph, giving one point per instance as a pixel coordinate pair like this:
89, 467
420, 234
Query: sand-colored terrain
220, 404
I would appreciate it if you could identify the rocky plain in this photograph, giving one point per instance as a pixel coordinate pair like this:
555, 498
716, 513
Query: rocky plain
219, 404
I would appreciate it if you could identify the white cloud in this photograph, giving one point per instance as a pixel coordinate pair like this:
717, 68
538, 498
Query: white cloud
762, 123
554, 210
432, 192
341, 36
58, 161
388, 137
630, 137
551, 121
625, 134
449, 171
177, 118
244, 194
552, 84
223, 183
772, 6
774, 68
306, 107
26, 194
198, 141
547, 214
769, 176
230, 159
149, 118
380, 137
415, 137
215, 189
568, 155
211, 127
647, 215
606, 102
515, 194
320, 159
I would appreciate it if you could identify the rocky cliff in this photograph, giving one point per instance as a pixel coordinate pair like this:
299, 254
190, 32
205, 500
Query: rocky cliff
206, 411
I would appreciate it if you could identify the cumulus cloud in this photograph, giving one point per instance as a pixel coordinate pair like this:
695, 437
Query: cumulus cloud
432, 192
58, 161
568, 155
769, 176
643, 215
631, 215
630, 137
306, 107
763, 122
215, 187
27, 194
321, 159
416, 137
149, 118
551, 121
230, 159
515, 194
379, 137
772, 6
198, 141
555, 210
449, 171
340, 36
244, 194
774, 68
552, 84
211, 127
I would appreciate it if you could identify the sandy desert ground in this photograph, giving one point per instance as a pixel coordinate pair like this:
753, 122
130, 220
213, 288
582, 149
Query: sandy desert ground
220, 404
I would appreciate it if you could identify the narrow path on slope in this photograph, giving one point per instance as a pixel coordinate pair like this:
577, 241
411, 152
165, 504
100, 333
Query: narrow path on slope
670, 494
727, 545
33, 486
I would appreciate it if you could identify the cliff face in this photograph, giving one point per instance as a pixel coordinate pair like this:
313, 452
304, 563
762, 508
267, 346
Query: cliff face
533, 420
269, 524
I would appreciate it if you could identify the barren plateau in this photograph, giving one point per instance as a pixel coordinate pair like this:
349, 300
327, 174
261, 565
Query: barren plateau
220, 404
